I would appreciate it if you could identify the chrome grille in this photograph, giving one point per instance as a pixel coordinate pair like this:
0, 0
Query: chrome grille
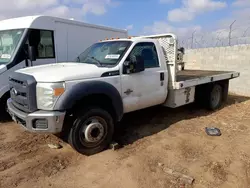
23, 92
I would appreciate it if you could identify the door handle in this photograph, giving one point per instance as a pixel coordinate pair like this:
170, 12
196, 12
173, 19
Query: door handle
161, 76
128, 91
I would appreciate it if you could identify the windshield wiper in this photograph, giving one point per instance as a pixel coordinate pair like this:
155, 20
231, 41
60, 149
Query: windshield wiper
96, 60
91, 57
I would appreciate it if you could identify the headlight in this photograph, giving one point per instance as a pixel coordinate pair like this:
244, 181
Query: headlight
47, 94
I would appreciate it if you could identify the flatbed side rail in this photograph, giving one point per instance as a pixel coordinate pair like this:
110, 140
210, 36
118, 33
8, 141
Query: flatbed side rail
204, 80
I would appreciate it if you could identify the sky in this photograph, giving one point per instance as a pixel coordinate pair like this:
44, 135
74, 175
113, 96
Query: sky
204, 19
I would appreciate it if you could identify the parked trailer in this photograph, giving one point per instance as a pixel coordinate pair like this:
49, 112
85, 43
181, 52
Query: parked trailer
53, 40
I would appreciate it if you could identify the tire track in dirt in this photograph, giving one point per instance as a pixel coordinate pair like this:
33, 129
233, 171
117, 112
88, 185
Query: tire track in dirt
45, 166
36, 164
29, 156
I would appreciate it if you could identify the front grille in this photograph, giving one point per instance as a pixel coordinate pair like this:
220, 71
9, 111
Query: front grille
23, 91
17, 81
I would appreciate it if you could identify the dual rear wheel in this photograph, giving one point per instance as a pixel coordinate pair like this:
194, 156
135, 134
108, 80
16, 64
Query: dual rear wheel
215, 97
212, 96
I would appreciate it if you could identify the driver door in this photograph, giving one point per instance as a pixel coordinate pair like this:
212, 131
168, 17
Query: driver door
143, 89
43, 41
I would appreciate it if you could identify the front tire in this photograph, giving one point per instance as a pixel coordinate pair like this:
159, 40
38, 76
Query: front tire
92, 131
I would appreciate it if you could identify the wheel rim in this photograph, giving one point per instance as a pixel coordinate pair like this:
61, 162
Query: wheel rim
215, 96
93, 131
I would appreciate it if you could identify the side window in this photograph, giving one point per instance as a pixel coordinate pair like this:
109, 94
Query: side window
148, 52
44, 43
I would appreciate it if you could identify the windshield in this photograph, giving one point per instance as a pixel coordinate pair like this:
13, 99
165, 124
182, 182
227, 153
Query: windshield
9, 40
104, 53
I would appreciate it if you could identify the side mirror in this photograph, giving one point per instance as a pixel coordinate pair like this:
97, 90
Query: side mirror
32, 53
134, 65
182, 50
139, 64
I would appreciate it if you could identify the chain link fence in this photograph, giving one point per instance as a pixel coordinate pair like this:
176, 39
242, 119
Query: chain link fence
236, 33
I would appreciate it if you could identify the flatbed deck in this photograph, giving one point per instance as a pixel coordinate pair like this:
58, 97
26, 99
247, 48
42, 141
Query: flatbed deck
186, 75
188, 78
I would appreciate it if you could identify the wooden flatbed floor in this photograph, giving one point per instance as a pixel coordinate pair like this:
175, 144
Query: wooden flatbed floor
196, 74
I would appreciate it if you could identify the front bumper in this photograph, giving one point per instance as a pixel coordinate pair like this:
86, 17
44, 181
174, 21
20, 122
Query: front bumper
39, 121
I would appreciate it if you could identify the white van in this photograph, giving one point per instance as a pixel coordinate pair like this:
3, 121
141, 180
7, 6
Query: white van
52, 39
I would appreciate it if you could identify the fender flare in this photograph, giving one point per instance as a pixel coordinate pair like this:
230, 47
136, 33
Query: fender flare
84, 89
4, 91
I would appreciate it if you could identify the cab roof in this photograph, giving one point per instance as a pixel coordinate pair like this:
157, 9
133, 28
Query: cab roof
142, 38
127, 39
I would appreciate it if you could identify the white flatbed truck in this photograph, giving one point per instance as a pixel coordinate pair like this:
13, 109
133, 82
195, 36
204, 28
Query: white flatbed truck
53, 39
109, 79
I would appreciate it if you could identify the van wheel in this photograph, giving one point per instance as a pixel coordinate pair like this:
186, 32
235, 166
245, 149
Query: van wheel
92, 131
3, 109
215, 97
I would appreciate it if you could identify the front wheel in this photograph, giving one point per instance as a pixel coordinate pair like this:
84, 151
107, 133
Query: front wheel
92, 131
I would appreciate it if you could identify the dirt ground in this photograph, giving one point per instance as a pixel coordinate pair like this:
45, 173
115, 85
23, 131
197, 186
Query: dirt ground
152, 139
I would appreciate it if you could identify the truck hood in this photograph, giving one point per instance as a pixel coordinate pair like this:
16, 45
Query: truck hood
63, 72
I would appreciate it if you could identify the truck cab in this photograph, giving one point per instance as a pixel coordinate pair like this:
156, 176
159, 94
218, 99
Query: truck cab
86, 98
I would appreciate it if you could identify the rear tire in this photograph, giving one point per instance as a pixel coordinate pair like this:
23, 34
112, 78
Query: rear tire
92, 131
215, 97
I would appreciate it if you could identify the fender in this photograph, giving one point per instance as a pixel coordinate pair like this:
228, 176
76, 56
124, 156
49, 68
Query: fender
4, 87
83, 89
4, 90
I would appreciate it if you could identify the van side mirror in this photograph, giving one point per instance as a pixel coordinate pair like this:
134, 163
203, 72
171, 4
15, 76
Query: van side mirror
32, 53
134, 64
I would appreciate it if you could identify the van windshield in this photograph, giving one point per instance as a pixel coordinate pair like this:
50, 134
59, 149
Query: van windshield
9, 40
104, 53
